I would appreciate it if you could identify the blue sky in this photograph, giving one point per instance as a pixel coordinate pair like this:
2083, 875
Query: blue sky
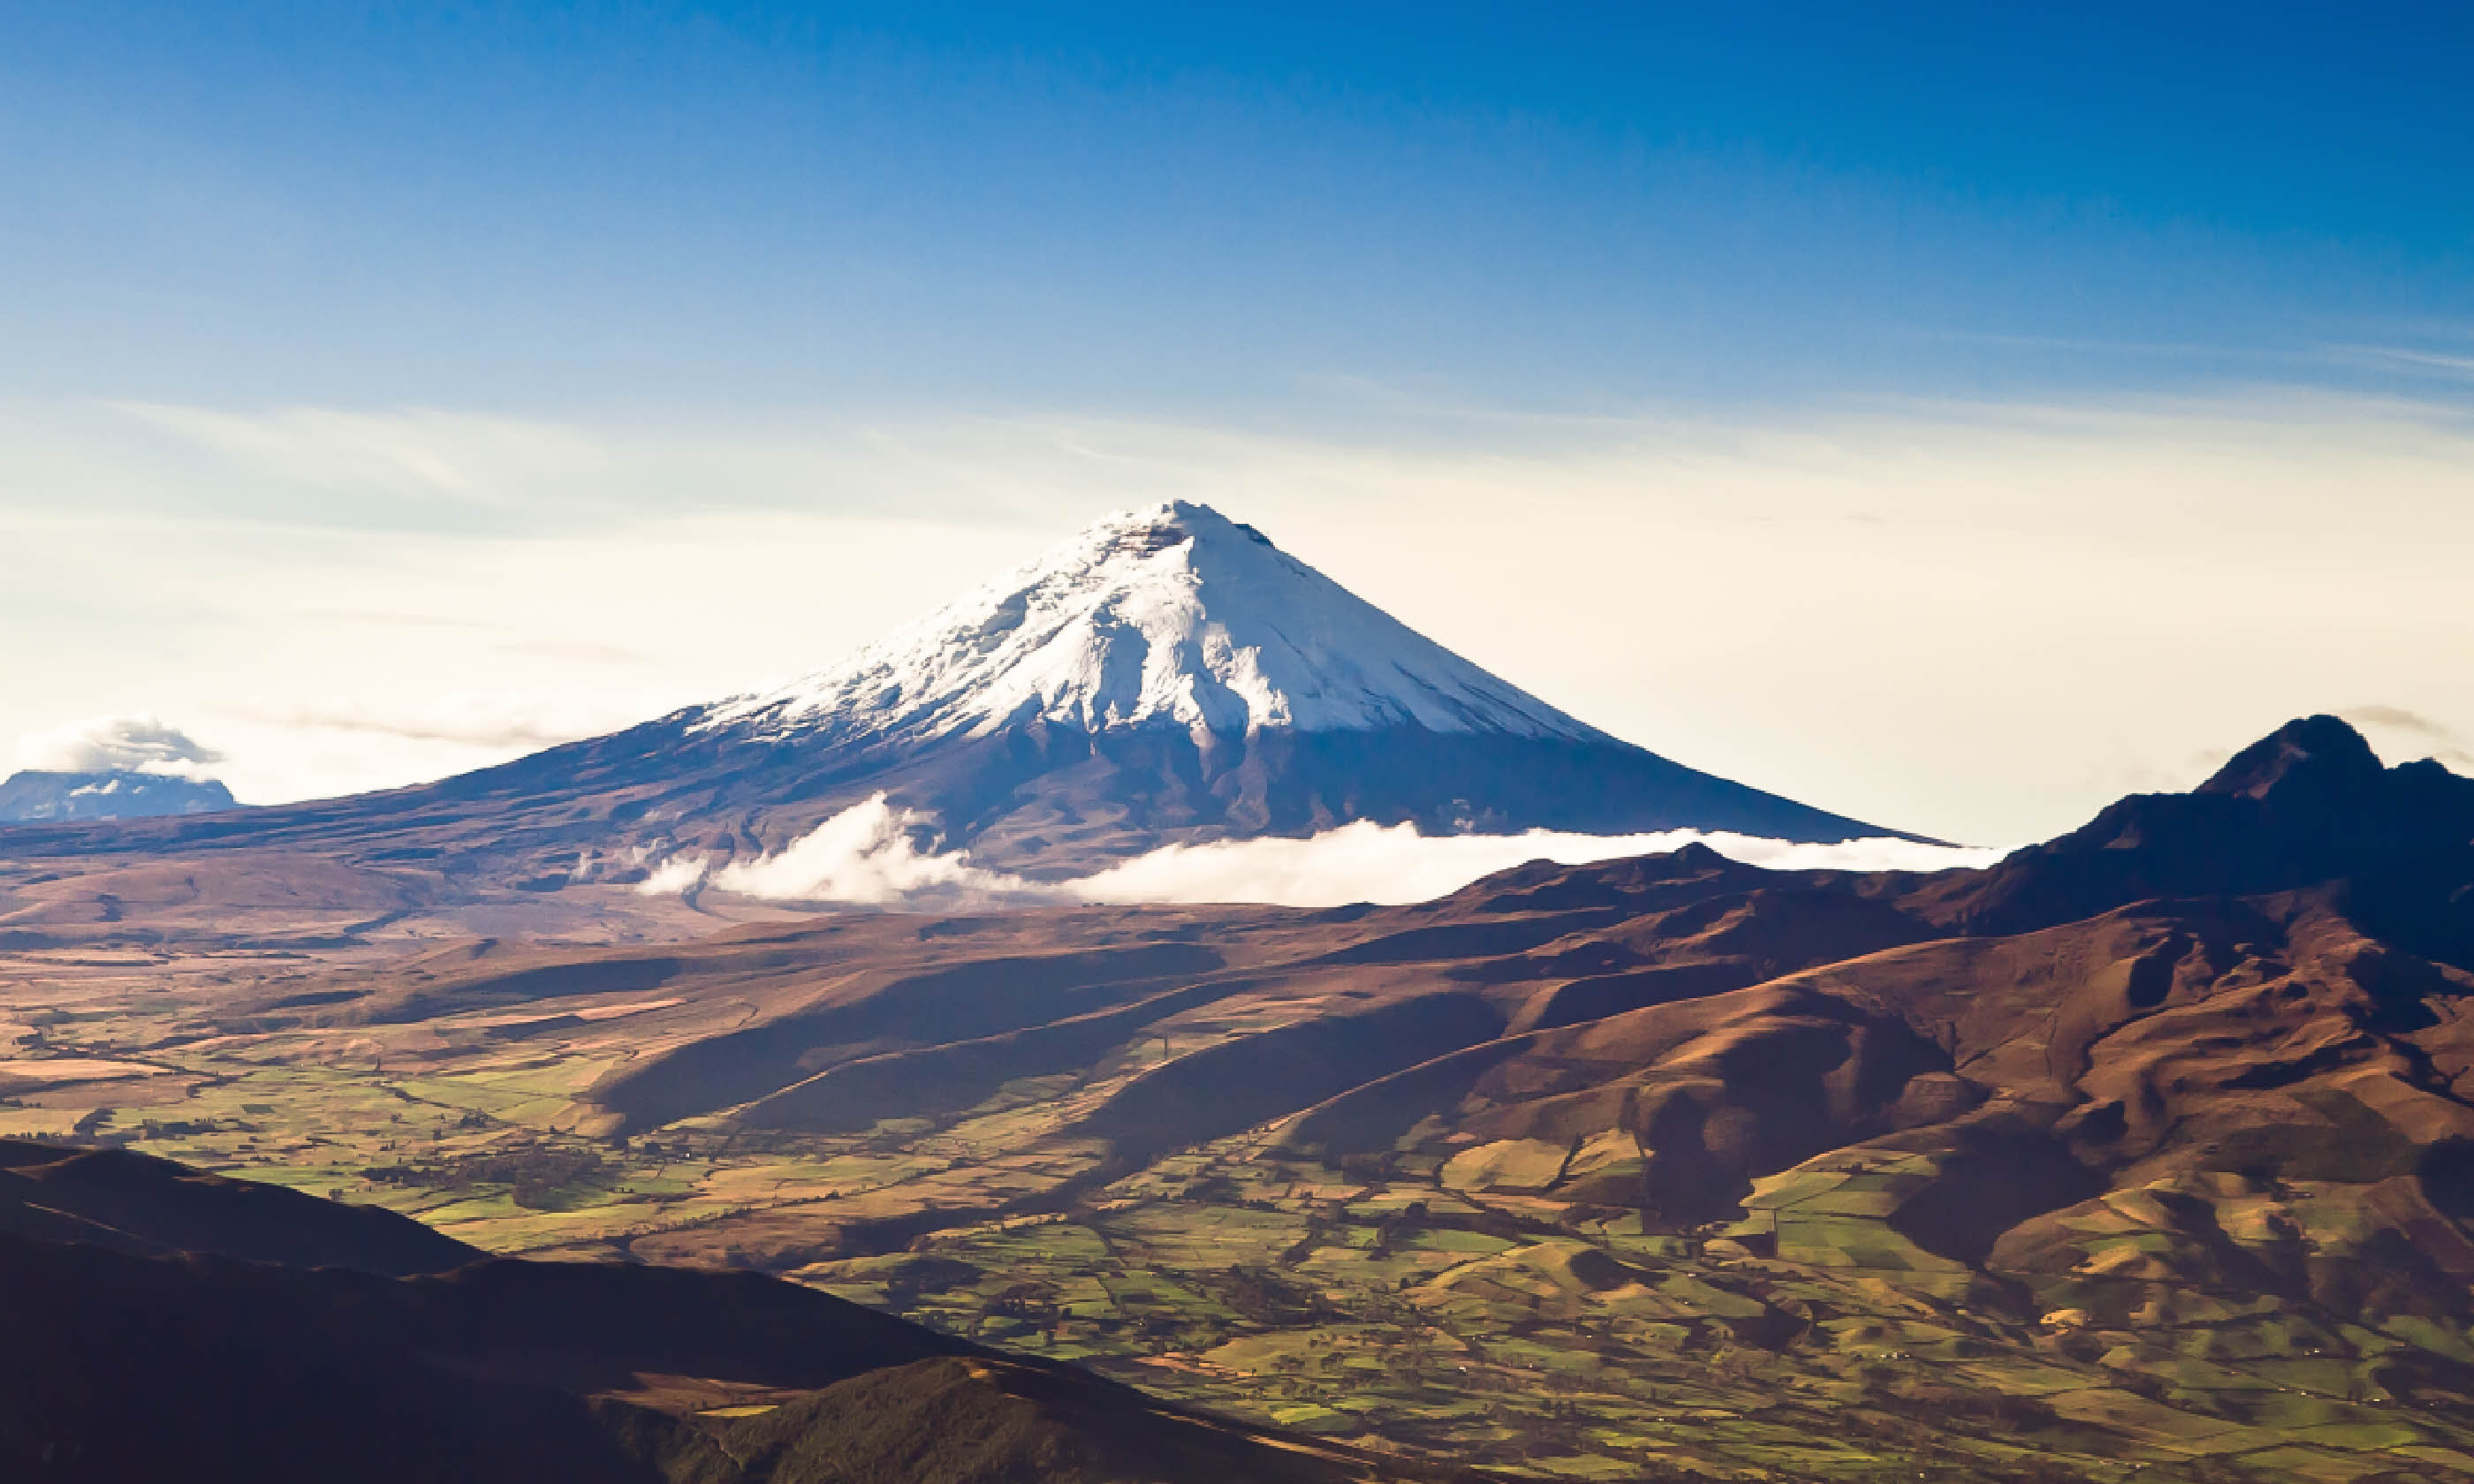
394, 300
1172, 206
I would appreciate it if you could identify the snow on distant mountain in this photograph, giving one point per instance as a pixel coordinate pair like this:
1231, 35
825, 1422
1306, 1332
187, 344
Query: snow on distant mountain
40, 797
1175, 615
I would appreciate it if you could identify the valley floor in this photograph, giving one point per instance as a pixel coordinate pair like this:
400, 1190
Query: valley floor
1401, 1300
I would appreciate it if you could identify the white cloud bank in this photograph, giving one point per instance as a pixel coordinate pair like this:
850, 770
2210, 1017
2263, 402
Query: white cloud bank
870, 853
1370, 862
114, 744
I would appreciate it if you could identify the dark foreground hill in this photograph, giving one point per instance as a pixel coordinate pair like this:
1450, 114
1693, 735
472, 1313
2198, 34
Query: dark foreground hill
123, 1367
134, 1202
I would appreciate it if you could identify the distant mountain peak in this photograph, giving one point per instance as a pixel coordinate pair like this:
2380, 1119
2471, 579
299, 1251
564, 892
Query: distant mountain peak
1170, 615
2316, 754
37, 797
2305, 806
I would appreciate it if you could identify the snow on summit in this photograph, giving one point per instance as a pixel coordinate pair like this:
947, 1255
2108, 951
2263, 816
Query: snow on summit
1171, 616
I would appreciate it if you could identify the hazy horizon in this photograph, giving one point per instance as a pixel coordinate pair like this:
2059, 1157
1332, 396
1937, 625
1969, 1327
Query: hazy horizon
1947, 419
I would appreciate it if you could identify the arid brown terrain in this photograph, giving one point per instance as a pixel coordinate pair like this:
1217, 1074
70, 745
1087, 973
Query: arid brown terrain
2149, 1150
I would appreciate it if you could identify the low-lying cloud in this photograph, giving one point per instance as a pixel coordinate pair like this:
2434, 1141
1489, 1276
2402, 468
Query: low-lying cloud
1370, 862
115, 744
868, 853
871, 853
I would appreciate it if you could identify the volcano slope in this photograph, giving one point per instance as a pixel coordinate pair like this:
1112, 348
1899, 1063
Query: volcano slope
2149, 1151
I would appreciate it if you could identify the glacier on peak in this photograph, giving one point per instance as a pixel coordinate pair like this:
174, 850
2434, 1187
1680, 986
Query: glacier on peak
1171, 616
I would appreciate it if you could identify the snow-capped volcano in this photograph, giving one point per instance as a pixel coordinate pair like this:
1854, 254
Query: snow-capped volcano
1167, 677
1175, 616
1171, 675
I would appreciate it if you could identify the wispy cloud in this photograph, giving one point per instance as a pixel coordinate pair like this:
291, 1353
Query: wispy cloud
2006, 462
2396, 357
2443, 742
440, 470
491, 721
576, 650
423, 453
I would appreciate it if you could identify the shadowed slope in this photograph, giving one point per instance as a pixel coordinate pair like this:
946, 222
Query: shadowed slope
123, 1367
136, 1204
2306, 805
